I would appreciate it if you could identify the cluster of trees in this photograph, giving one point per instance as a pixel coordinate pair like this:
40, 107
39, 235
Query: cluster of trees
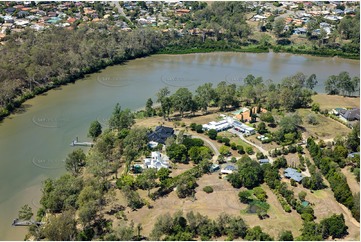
187, 227
324, 160
33, 62
249, 174
342, 84
295, 92
333, 226
256, 198
188, 149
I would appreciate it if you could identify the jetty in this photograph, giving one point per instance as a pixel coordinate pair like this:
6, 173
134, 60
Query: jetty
77, 143
17, 222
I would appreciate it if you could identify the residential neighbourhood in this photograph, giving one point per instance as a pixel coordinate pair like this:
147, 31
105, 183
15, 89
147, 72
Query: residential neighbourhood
38, 15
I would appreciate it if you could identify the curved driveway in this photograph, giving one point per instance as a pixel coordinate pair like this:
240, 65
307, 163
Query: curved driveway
240, 135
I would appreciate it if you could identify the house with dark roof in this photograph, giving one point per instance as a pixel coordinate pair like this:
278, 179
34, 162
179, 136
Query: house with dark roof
350, 114
293, 174
160, 134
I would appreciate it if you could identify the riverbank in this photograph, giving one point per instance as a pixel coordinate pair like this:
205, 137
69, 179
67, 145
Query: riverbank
16, 103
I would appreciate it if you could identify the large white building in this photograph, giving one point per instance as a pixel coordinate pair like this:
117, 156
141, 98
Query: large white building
222, 125
227, 123
156, 161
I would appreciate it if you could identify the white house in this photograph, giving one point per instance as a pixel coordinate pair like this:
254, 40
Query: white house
156, 161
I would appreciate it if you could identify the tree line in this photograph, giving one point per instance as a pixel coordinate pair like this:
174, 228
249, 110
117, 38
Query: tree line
295, 92
33, 62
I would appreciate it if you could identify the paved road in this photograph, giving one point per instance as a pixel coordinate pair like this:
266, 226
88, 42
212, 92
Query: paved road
240, 135
216, 152
120, 9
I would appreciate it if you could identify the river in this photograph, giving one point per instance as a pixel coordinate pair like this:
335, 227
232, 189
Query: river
35, 142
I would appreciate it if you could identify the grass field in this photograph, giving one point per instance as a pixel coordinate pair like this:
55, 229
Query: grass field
223, 199
326, 128
325, 206
332, 101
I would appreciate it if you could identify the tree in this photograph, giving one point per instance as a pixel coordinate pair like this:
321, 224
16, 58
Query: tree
135, 142
163, 174
315, 107
224, 150
146, 180
181, 100
164, 100
262, 128
95, 129
121, 119
204, 95
334, 226
87, 212
257, 234
26, 212
312, 119
356, 206
75, 161
148, 108
260, 193
286, 235
62, 227
289, 123
331, 85
250, 173
279, 26
302, 195
186, 186
267, 117
311, 81
245, 196
177, 153
212, 134
226, 94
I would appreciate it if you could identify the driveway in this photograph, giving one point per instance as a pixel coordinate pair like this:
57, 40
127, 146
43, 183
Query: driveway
240, 135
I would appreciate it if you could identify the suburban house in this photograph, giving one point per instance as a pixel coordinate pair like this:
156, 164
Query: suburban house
350, 114
243, 128
228, 169
160, 134
293, 174
156, 161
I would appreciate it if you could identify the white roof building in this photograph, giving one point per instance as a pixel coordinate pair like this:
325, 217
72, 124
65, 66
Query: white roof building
222, 125
156, 161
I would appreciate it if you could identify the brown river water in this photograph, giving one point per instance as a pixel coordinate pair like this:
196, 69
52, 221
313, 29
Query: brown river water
34, 143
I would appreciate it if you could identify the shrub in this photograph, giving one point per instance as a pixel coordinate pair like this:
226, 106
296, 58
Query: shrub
208, 189
212, 134
312, 119
193, 126
233, 146
226, 141
199, 128
249, 150
219, 139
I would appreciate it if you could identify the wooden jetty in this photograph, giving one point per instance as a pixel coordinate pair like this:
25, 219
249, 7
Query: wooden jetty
17, 222
77, 143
